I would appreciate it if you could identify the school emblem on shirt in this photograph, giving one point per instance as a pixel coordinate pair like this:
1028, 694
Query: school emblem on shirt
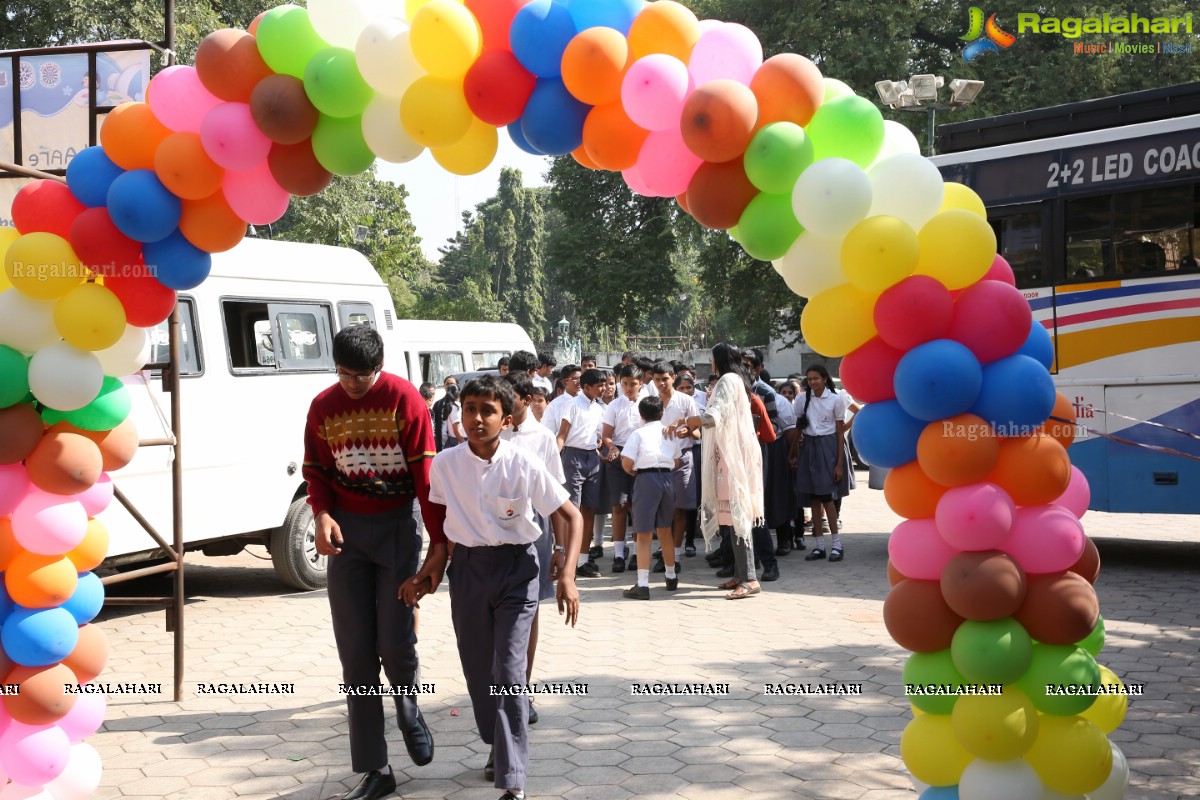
509, 512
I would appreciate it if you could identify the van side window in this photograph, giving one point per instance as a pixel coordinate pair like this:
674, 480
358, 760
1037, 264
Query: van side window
189, 351
436, 366
356, 314
278, 337
487, 359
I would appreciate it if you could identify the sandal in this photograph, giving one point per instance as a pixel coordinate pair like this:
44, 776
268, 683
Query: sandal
729, 584
741, 592
754, 588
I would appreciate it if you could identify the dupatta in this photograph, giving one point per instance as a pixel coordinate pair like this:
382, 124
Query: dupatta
728, 426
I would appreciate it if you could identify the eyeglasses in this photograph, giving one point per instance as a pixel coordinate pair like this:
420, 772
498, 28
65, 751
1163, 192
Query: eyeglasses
355, 377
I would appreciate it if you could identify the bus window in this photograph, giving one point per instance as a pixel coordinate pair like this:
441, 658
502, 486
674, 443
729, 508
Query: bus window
1019, 237
355, 314
436, 366
1153, 229
1088, 235
188, 352
488, 359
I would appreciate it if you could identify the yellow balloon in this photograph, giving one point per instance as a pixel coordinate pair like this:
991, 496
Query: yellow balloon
43, 266
1070, 754
7, 236
957, 247
996, 728
956, 195
411, 7
472, 153
838, 320
90, 317
879, 252
434, 112
1108, 712
445, 38
931, 752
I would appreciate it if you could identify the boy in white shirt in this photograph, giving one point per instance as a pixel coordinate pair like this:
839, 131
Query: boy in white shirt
579, 441
678, 408
650, 455
491, 489
621, 418
553, 415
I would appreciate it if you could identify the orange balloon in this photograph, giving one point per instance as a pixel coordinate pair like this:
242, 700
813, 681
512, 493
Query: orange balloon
1061, 432
593, 65
910, 493
20, 431
90, 655
789, 88
184, 167
580, 155
718, 120
252, 28
894, 575
958, 450
43, 698
64, 463
1033, 469
131, 135
88, 554
719, 193
229, 65
117, 446
211, 225
611, 138
8, 544
36, 581
682, 200
663, 27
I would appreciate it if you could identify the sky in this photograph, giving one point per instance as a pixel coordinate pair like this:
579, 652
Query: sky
436, 198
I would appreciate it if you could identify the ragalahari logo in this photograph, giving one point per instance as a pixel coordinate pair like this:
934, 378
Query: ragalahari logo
984, 37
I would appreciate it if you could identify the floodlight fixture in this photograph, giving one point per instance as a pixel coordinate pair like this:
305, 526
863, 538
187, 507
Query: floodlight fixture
925, 87
963, 92
890, 91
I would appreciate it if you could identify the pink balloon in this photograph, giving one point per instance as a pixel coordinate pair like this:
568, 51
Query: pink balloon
255, 195
1045, 539
97, 497
1077, 495
81, 778
85, 717
179, 100
666, 164
978, 516
1000, 271
231, 138
653, 92
14, 483
34, 755
48, 524
916, 310
728, 50
918, 551
867, 371
15, 791
992, 319
633, 179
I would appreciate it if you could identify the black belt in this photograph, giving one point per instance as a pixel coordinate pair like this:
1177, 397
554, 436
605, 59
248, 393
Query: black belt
655, 469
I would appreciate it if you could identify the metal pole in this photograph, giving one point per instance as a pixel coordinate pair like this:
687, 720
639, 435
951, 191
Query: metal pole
929, 133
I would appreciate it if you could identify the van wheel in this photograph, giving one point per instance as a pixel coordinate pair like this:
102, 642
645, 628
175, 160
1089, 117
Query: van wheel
294, 549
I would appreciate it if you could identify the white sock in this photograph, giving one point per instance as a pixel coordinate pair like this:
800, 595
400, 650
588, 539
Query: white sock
818, 539
671, 571
678, 554
643, 577
620, 548
836, 542
598, 530
583, 559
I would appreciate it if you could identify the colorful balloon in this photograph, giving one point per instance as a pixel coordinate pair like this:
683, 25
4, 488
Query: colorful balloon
445, 38
664, 27
593, 65
776, 156
229, 65
717, 120
984, 586
831, 197
46, 207
179, 99
281, 109
653, 91
539, 36
915, 310
838, 320
789, 89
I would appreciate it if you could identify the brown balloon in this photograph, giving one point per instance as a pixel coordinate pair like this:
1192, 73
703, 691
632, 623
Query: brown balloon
1088, 565
90, 655
297, 170
719, 193
64, 463
894, 575
282, 110
117, 446
1059, 609
20, 431
42, 698
983, 586
918, 618
229, 65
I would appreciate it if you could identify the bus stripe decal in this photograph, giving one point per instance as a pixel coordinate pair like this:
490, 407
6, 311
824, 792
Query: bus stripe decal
1125, 291
1123, 311
1081, 347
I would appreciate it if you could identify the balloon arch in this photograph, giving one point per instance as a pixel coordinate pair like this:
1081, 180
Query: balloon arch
991, 571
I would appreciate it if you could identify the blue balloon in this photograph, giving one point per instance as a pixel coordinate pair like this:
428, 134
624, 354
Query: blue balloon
886, 435
1017, 395
6, 603
1038, 345
514, 133
938, 379
87, 600
89, 176
142, 208
553, 119
177, 263
940, 793
539, 34
39, 637
616, 14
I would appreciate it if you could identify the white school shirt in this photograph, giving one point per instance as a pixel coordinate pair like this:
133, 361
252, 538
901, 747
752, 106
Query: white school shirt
553, 414
786, 412
537, 439
491, 503
448, 426
648, 448
585, 417
622, 414
648, 390
824, 412
701, 399
681, 407
545, 383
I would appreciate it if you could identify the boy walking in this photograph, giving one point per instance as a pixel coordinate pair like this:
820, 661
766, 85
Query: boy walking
621, 418
650, 457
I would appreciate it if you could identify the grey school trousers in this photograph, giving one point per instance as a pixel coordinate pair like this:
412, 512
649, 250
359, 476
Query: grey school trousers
493, 597
371, 625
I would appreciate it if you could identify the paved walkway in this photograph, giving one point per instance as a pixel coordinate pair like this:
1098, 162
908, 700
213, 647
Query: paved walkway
821, 623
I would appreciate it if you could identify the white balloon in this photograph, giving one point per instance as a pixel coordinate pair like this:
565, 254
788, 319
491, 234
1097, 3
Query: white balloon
831, 196
812, 264
81, 778
340, 22
64, 377
128, 355
897, 139
1000, 780
1118, 778
385, 58
26, 324
385, 135
906, 186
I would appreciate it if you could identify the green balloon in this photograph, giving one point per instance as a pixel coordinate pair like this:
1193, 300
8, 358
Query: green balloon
776, 156
992, 652
835, 89
339, 145
107, 411
1094, 641
334, 84
14, 377
1060, 679
847, 127
286, 40
930, 681
768, 227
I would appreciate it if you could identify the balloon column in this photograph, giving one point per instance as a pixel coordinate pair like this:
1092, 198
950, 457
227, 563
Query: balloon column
992, 572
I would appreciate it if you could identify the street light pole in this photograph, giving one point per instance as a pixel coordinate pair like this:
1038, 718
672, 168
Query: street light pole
920, 93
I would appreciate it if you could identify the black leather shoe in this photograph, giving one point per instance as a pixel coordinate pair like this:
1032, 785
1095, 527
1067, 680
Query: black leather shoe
489, 769
659, 566
533, 715
725, 572
588, 570
835, 555
631, 562
672, 584
417, 737
372, 786
714, 557
815, 555
636, 592
783, 549
618, 565
690, 550
798, 544
770, 573
595, 551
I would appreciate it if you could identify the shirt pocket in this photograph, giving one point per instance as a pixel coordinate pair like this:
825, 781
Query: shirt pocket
508, 511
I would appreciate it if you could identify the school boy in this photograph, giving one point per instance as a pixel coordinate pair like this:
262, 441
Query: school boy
491, 489
579, 439
650, 456
537, 403
678, 408
569, 376
621, 418
545, 365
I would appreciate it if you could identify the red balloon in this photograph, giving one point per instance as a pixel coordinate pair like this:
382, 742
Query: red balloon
282, 110
719, 193
1000, 271
918, 618
992, 319
1059, 609
297, 170
101, 246
497, 87
146, 301
495, 18
45, 207
916, 310
867, 371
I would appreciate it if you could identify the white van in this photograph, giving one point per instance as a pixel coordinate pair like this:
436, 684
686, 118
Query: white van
256, 348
